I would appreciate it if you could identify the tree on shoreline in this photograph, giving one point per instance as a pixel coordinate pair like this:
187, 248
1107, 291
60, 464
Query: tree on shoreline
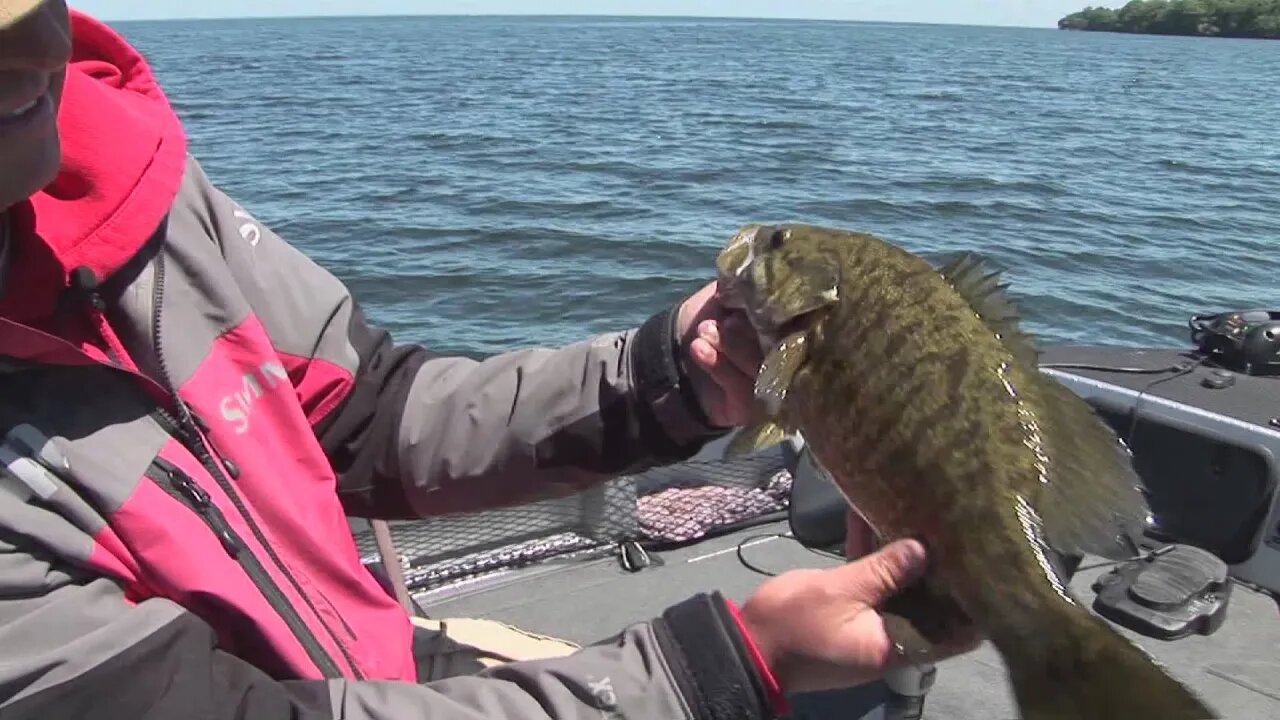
1220, 18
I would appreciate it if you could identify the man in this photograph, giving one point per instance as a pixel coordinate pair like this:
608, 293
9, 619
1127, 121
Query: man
190, 407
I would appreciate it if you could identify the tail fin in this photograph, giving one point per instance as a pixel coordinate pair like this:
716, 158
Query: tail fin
1094, 673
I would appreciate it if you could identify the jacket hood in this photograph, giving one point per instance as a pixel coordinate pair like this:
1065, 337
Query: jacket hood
123, 158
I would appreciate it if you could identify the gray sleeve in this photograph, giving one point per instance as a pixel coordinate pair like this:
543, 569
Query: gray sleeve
412, 432
689, 664
626, 678
72, 645
423, 434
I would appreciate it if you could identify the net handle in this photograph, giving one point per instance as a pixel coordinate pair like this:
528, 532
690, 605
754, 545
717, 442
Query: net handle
391, 564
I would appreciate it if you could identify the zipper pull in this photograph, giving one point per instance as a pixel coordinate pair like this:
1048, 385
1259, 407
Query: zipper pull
233, 470
190, 489
204, 505
229, 542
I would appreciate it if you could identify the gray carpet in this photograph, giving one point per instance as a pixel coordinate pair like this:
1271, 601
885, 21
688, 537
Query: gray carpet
1237, 669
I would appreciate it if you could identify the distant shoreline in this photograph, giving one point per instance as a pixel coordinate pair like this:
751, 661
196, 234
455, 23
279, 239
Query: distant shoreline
564, 16
1240, 19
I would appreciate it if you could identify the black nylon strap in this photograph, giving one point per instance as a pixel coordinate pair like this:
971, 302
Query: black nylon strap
656, 369
660, 364
721, 682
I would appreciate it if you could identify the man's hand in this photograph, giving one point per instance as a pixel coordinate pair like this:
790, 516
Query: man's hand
726, 357
819, 630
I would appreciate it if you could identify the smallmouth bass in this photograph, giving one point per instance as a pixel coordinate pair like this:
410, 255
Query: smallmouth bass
916, 390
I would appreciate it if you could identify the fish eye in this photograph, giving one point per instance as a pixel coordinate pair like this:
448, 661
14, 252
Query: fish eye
778, 237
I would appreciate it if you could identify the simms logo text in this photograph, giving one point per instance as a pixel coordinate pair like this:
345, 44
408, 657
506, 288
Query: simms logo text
237, 408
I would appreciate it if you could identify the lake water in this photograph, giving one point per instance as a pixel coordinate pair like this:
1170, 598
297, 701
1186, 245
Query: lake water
485, 183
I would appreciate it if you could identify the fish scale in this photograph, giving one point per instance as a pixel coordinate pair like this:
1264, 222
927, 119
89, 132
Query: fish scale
918, 393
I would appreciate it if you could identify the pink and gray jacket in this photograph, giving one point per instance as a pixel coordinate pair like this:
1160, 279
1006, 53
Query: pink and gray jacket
190, 411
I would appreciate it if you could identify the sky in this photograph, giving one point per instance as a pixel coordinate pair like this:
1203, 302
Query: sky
1033, 13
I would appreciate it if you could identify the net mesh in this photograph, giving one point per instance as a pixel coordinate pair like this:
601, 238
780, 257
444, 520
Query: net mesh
684, 514
674, 504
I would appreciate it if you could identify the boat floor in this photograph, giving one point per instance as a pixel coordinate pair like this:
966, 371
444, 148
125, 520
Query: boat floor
1237, 669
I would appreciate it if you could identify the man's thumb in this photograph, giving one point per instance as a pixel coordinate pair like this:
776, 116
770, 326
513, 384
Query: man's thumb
887, 571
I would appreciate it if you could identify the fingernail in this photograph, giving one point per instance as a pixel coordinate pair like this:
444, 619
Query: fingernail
704, 352
710, 330
913, 554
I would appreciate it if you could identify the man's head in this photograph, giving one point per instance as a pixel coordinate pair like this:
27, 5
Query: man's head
35, 45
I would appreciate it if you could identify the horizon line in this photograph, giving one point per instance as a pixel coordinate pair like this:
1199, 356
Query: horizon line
548, 15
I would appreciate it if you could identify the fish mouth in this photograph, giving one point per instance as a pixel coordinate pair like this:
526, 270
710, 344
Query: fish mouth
795, 324
770, 327
737, 254
732, 264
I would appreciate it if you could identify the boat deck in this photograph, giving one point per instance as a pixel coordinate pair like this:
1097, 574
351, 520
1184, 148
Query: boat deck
1237, 669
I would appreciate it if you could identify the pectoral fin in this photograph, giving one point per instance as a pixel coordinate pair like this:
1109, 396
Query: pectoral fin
772, 383
779, 369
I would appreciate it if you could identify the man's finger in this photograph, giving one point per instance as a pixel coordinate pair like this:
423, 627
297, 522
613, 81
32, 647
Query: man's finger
739, 395
885, 572
697, 308
705, 359
738, 340
728, 393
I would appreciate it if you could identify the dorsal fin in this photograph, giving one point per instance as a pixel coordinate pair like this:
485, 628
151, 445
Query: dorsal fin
977, 280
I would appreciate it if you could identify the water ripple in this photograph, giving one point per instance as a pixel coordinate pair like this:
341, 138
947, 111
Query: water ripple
484, 183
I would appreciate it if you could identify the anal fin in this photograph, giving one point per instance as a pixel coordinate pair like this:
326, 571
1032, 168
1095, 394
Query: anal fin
921, 623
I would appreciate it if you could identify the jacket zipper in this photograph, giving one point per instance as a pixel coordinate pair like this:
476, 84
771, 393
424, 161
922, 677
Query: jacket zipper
189, 434
185, 490
182, 488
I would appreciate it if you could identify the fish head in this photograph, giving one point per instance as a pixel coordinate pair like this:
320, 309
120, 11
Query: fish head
779, 276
